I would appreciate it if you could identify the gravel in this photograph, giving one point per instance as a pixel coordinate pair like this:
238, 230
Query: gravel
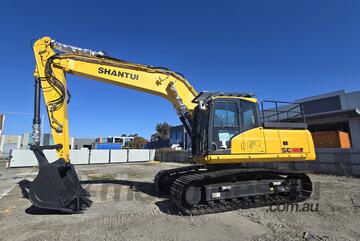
129, 209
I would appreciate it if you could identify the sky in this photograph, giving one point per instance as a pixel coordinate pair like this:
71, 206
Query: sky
279, 49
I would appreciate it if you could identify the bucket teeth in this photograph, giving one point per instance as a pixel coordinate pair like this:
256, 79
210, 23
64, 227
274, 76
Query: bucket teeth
75, 204
57, 187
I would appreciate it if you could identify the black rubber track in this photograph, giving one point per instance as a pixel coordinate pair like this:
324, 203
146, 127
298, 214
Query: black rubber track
171, 175
194, 176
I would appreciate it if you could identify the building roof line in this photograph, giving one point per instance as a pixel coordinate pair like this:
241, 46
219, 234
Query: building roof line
353, 112
316, 97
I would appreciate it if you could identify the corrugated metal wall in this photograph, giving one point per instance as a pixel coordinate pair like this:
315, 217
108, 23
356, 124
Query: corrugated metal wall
172, 156
331, 161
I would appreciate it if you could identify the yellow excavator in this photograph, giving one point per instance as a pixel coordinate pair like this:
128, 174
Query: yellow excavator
226, 130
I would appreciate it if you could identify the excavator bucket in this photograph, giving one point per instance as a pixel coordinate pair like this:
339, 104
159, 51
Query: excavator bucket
57, 186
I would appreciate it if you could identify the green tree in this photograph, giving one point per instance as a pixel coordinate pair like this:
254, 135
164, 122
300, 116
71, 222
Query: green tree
162, 132
138, 142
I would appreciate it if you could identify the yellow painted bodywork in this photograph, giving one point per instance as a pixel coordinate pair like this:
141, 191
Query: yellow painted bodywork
43, 52
266, 145
256, 145
151, 80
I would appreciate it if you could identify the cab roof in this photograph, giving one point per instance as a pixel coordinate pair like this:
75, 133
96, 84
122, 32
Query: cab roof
206, 95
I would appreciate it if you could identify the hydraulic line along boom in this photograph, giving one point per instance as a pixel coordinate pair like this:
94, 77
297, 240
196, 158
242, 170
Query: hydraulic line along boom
225, 129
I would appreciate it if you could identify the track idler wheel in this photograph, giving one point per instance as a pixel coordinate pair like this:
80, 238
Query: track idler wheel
192, 195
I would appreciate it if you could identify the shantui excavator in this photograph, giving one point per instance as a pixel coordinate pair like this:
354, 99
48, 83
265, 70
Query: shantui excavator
226, 130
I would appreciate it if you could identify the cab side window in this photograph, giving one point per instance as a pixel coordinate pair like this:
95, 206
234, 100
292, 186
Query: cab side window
225, 124
226, 114
248, 115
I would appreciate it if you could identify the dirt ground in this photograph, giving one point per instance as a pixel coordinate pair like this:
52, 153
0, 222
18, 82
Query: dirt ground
127, 208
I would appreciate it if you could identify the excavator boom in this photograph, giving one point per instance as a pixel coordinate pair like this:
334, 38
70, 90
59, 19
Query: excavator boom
226, 129
51, 68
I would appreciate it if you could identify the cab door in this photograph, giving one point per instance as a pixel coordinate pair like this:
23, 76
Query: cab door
224, 124
251, 139
253, 134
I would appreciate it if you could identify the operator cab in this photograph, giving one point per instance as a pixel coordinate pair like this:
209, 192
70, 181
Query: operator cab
219, 117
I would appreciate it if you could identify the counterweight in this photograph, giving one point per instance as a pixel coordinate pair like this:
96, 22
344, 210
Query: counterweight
226, 129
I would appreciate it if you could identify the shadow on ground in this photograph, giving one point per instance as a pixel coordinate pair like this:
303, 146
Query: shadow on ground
148, 188
168, 207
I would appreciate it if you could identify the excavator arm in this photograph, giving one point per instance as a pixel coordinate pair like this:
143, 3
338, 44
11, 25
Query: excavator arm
57, 185
227, 130
54, 60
